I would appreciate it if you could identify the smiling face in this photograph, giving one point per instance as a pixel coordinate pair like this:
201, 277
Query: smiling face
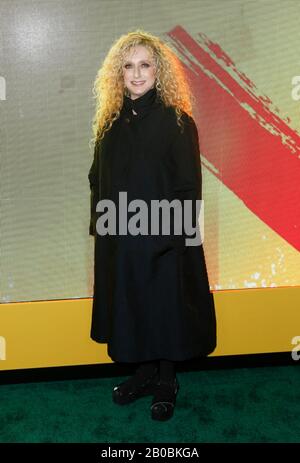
138, 71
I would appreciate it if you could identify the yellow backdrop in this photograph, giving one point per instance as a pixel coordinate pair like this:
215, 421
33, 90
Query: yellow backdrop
56, 333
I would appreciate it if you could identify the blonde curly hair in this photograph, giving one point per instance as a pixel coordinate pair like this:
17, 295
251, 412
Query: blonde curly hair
108, 89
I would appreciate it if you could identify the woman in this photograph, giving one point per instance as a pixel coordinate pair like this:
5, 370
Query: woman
152, 304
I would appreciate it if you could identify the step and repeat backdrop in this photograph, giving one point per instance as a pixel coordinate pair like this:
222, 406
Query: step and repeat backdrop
242, 60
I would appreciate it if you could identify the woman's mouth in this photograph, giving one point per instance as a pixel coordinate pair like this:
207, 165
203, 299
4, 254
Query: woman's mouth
138, 83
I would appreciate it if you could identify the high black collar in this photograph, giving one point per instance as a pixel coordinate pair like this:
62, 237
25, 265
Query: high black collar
141, 105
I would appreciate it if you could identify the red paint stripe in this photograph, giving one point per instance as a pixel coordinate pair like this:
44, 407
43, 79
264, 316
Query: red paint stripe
255, 152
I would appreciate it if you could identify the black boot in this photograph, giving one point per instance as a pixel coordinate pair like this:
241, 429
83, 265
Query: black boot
164, 398
141, 384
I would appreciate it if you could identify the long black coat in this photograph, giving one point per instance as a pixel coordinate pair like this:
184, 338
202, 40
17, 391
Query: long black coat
151, 293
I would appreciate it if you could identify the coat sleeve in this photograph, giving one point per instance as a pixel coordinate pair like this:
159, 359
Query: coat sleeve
93, 177
186, 165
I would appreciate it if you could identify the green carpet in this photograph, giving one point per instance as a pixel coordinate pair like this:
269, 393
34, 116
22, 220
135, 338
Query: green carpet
240, 405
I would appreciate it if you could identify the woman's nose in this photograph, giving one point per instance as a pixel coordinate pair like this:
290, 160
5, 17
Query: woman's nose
136, 72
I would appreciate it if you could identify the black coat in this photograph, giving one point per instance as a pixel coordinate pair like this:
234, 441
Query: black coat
151, 293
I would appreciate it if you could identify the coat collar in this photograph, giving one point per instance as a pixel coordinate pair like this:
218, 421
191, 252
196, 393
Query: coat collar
141, 105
